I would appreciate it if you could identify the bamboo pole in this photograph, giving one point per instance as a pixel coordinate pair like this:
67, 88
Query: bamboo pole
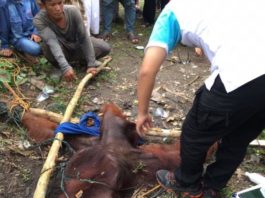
48, 167
55, 117
164, 132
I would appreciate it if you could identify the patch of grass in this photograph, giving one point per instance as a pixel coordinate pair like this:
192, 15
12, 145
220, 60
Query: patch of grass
227, 192
43, 66
62, 91
22, 133
107, 76
26, 174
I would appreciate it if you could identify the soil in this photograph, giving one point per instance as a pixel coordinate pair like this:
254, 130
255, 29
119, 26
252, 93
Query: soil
180, 76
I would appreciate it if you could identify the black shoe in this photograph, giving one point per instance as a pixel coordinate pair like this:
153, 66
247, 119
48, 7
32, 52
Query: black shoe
105, 36
211, 193
168, 181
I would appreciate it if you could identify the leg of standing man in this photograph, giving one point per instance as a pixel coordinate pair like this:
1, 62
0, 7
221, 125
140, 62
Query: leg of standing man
108, 7
130, 16
149, 12
217, 115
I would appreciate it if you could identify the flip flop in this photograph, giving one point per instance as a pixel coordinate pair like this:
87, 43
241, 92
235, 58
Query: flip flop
134, 39
105, 36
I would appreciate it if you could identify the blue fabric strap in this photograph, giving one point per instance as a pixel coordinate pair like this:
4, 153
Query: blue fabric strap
81, 128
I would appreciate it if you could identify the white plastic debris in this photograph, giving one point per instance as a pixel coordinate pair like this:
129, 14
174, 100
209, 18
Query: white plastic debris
160, 112
256, 178
139, 47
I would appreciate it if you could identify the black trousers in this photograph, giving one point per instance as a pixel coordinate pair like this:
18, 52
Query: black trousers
234, 118
163, 3
149, 11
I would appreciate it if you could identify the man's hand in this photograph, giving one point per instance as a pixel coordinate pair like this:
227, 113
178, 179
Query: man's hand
35, 38
198, 52
143, 124
92, 70
69, 75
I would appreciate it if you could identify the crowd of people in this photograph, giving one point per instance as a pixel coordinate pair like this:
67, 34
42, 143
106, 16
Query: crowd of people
58, 31
228, 108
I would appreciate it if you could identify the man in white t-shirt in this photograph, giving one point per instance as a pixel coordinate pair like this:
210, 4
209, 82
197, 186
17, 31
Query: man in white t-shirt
229, 107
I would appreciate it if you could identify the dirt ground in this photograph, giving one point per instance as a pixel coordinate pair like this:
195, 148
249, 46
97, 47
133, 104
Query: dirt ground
181, 74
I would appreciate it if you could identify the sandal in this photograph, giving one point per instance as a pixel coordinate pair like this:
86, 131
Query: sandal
134, 39
105, 36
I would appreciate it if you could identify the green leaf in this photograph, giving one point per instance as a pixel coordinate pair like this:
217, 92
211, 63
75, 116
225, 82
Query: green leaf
43, 61
6, 65
5, 76
21, 79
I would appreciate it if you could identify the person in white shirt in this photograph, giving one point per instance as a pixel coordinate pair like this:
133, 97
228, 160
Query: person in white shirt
229, 107
92, 11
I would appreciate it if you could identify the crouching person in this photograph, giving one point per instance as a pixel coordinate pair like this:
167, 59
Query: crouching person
65, 39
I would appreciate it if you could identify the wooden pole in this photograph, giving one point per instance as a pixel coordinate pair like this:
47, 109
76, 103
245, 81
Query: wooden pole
164, 132
55, 117
49, 165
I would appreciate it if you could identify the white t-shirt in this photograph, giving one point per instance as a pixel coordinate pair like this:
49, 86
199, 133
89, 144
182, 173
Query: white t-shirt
231, 34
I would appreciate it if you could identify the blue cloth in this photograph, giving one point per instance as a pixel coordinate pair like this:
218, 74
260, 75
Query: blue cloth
2, 3
81, 128
4, 26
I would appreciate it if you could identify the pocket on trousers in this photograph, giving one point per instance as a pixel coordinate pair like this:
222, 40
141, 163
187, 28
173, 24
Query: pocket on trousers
212, 120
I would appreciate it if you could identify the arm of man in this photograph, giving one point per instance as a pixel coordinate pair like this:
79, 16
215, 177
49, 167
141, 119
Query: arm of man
153, 59
165, 36
50, 39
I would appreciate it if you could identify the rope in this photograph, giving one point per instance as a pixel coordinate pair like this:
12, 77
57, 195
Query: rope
151, 190
18, 98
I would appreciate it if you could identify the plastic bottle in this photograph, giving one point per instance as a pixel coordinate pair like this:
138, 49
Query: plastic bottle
256, 178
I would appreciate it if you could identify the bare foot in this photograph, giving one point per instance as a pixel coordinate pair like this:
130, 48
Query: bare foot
6, 52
